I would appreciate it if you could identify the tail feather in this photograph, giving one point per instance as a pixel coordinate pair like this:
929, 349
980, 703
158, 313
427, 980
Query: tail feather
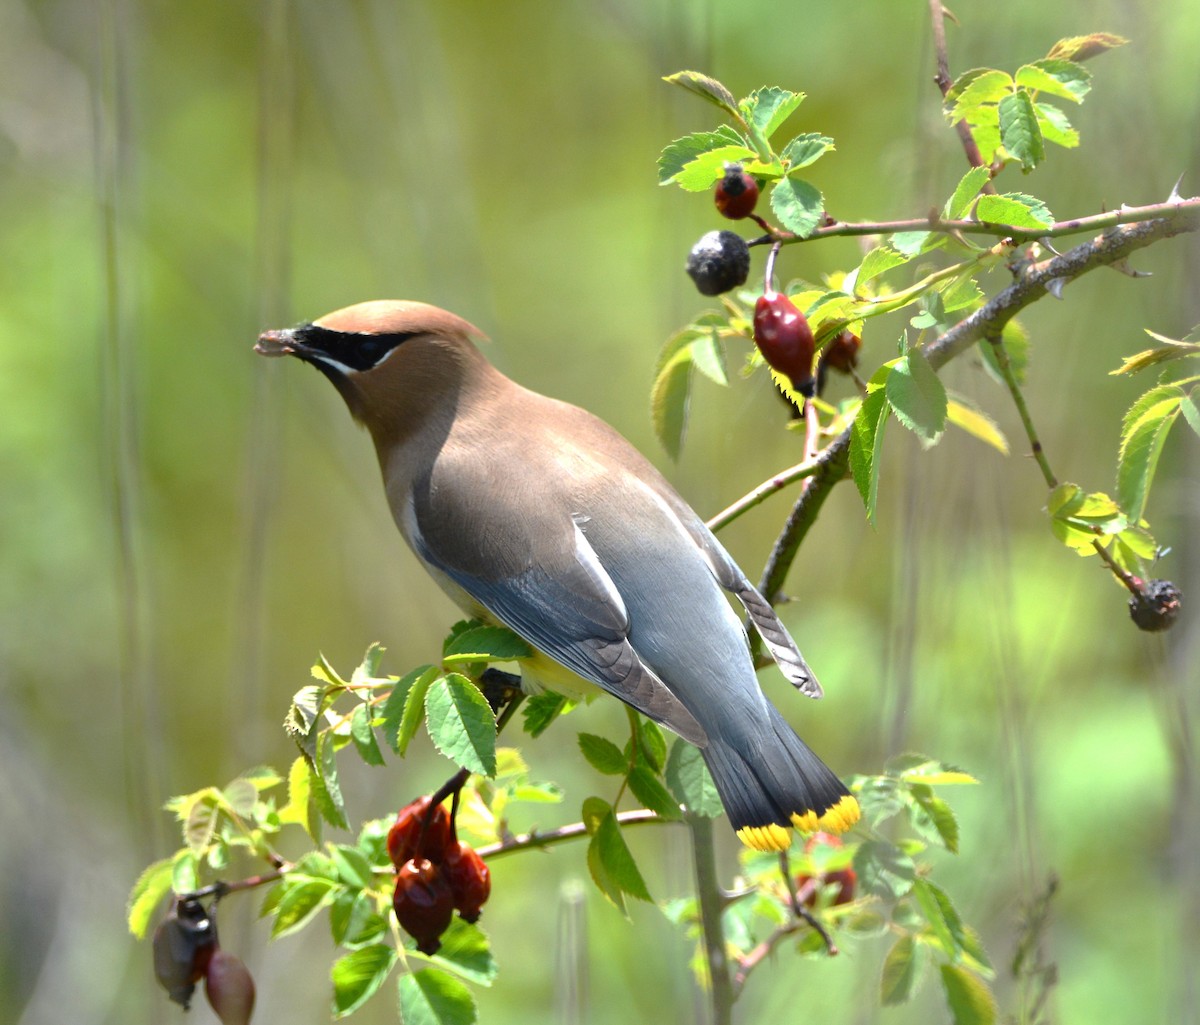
770, 783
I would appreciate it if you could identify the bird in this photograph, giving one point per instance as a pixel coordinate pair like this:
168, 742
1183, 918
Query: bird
534, 514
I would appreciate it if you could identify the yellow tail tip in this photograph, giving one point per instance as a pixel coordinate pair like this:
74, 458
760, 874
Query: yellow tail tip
773, 837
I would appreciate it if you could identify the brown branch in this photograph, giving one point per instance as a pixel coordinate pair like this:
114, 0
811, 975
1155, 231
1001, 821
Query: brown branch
574, 831
937, 18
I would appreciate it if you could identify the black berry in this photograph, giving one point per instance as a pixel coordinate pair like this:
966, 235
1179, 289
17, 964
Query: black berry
1156, 606
720, 261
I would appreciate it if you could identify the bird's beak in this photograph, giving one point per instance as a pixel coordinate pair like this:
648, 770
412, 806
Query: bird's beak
278, 343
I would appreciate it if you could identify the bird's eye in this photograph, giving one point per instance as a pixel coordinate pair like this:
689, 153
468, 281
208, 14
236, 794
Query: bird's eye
370, 349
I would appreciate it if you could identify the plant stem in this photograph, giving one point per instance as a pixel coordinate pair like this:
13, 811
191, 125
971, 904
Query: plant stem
1018, 397
764, 491
712, 903
574, 831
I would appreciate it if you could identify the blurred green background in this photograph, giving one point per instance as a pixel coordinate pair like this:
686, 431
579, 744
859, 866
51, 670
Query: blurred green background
184, 526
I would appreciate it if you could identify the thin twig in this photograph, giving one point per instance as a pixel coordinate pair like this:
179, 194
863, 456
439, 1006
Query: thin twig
574, 831
764, 491
937, 18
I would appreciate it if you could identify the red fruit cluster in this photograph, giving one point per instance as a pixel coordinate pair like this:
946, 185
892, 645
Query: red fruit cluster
736, 193
186, 950
845, 878
436, 874
785, 340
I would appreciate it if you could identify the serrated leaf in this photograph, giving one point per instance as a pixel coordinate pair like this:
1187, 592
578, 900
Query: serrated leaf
690, 782
975, 90
652, 743
1019, 131
709, 357
934, 819
977, 424
300, 900
883, 869
185, 872
798, 205
1014, 209
603, 755
678, 154
1081, 48
880, 797
299, 807
610, 859
540, 710
353, 921
669, 398
913, 243
462, 724
1078, 518
707, 169
326, 790
486, 644
1142, 441
650, 792
148, 892
352, 865
965, 192
358, 976
969, 998
1056, 126
1063, 78
805, 149
706, 87
1172, 350
919, 769
414, 704
901, 972
878, 261
199, 825
363, 735
434, 997
465, 950
866, 446
917, 396
767, 108
1191, 412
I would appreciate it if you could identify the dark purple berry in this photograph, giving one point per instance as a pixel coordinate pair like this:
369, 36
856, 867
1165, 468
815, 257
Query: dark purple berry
1156, 606
720, 261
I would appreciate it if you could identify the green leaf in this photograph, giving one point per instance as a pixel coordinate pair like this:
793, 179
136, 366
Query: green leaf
965, 192
934, 819
352, 865
364, 736
462, 724
433, 997
1056, 126
883, 869
1016, 345
901, 972
959, 294
977, 424
708, 168
148, 892
1062, 78
612, 865
1080, 48
466, 952
917, 396
358, 976
485, 644
1079, 518
418, 683
669, 398
185, 873
652, 743
690, 782
798, 205
707, 88
353, 921
974, 91
393, 706
1191, 412
709, 358
1019, 131
970, 1000
805, 149
880, 797
866, 446
879, 260
299, 806
1172, 350
678, 154
648, 789
1147, 425
1014, 209
299, 901
913, 243
199, 826
603, 755
767, 108
540, 710
327, 791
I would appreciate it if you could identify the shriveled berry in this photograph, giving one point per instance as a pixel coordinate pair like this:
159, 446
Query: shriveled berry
229, 987
423, 902
419, 832
785, 340
720, 261
1156, 606
469, 878
845, 878
736, 193
183, 945
840, 353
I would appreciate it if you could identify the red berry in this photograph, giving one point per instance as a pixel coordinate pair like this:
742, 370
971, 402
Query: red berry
785, 340
845, 878
423, 902
469, 878
418, 832
183, 945
229, 987
736, 194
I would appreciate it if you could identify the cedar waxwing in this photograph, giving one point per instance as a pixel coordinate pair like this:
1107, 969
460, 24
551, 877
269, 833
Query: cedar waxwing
532, 513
